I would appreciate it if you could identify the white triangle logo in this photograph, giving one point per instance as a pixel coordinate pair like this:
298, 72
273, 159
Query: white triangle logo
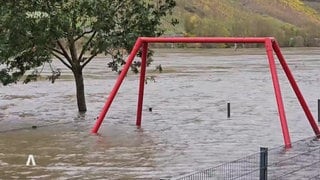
31, 161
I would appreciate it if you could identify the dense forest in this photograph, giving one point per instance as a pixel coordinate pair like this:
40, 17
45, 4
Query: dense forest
293, 22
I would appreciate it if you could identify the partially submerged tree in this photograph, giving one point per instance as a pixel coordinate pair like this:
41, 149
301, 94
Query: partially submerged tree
74, 32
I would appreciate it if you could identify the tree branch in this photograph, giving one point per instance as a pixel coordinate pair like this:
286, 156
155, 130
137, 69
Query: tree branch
65, 53
88, 60
57, 51
63, 62
84, 33
73, 50
86, 45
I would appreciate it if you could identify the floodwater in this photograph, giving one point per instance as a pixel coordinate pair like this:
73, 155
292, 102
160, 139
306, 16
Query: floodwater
187, 130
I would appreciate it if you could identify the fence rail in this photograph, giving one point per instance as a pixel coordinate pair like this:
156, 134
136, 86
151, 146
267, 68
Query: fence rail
244, 168
300, 162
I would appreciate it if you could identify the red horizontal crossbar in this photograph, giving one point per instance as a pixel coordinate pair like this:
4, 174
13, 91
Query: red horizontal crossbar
205, 39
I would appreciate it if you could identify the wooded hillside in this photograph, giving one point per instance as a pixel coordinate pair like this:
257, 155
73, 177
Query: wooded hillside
292, 22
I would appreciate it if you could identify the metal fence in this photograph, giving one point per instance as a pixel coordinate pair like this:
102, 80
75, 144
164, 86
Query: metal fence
244, 168
302, 161
296, 165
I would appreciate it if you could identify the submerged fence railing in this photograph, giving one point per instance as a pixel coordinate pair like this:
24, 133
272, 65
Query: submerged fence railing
300, 162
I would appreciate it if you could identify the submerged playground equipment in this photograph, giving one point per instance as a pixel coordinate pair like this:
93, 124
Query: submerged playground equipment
271, 47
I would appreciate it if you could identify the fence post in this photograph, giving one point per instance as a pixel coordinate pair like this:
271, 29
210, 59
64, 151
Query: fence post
228, 110
263, 163
318, 111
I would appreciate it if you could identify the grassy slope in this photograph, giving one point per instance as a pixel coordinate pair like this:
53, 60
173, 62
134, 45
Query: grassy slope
281, 18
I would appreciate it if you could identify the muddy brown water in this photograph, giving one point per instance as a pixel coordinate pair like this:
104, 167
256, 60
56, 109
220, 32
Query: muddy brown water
187, 130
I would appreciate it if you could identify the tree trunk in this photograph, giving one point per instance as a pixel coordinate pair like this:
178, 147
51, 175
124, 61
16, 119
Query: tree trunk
81, 100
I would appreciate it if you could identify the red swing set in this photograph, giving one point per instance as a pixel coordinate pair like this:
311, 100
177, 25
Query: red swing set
271, 47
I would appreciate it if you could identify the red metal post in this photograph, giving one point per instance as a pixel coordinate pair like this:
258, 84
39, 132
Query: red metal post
142, 81
296, 89
277, 91
116, 86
